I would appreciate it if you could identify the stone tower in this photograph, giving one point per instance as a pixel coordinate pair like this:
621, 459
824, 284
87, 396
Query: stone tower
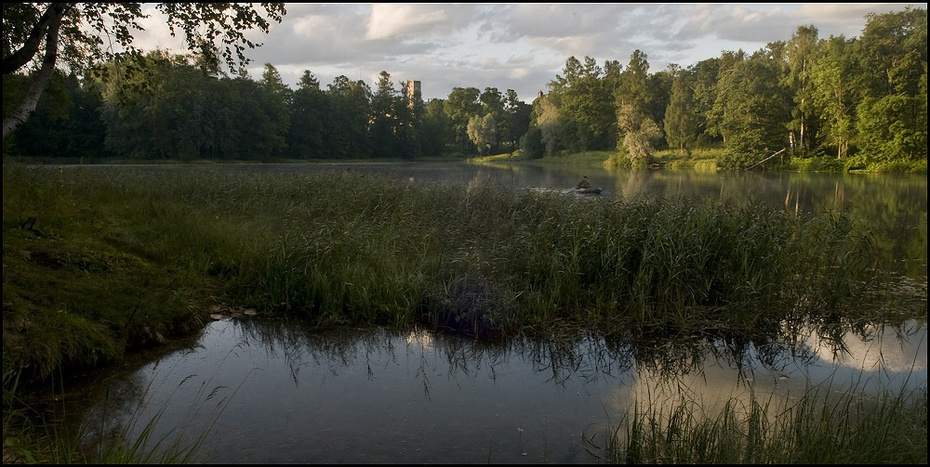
413, 92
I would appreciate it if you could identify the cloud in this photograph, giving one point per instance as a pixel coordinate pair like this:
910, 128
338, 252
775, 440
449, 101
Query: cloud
388, 21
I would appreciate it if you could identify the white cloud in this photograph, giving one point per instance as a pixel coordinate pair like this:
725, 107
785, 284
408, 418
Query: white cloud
392, 20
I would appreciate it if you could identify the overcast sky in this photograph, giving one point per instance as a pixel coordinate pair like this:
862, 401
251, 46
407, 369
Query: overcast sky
517, 46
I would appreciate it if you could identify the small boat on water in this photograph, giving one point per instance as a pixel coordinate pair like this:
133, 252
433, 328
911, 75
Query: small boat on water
590, 191
587, 191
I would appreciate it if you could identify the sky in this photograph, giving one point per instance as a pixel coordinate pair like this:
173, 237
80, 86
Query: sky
519, 46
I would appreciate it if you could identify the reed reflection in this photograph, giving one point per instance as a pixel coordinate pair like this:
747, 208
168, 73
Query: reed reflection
312, 391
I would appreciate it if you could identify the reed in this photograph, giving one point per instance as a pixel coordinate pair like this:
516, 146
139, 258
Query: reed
820, 428
345, 247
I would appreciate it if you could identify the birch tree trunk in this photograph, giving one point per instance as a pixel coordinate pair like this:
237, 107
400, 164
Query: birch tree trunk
31, 99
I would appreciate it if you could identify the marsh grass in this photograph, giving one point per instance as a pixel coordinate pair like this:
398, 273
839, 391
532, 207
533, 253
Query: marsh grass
822, 427
346, 247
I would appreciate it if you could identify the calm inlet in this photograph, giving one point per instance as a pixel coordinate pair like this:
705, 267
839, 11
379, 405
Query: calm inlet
269, 389
274, 391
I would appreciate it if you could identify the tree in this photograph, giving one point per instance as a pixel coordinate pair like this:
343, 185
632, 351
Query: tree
483, 132
74, 32
279, 97
531, 144
634, 84
704, 87
492, 103
834, 76
309, 111
681, 121
437, 128
802, 53
189, 114
348, 130
66, 122
517, 114
586, 109
636, 124
715, 114
640, 133
461, 105
383, 119
660, 88
545, 117
755, 109
892, 117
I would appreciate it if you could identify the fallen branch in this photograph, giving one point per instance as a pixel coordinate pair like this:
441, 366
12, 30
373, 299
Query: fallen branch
767, 158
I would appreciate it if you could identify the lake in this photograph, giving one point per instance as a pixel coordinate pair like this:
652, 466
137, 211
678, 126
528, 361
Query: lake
270, 389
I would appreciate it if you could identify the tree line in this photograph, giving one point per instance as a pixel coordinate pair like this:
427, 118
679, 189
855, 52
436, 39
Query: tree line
860, 101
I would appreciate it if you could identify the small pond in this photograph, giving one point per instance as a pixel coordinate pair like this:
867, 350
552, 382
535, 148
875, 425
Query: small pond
273, 391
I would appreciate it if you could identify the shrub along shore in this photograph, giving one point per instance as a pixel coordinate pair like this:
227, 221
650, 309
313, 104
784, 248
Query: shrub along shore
101, 261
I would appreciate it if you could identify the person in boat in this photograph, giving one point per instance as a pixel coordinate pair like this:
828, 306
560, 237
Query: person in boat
584, 183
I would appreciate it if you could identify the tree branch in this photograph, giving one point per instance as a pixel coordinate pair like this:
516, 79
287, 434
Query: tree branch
20, 57
28, 105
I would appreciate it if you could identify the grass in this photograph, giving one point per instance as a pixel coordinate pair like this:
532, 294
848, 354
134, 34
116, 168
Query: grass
98, 261
134, 257
820, 428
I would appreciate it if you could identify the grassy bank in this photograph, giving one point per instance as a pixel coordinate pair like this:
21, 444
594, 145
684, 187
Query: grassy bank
99, 261
705, 159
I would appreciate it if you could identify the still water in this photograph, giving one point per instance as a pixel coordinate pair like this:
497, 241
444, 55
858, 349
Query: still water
271, 390
276, 392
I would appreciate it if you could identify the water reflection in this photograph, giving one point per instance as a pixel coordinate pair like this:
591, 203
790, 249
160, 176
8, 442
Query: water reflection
274, 390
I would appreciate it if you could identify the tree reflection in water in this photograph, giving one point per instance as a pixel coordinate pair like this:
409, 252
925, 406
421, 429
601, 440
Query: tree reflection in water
277, 390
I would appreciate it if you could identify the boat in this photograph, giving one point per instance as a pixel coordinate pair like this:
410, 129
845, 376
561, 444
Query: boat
587, 191
590, 191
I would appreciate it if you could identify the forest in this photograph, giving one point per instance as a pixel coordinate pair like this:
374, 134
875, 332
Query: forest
859, 102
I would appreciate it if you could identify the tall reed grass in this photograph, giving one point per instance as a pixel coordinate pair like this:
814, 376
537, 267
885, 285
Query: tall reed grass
819, 428
347, 247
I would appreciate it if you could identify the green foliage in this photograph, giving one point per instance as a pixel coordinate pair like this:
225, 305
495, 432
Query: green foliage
483, 131
546, 118
66, 122
888, 129
817, 164
518, 115
754, 108
74, 33
461, 105
586, 113
437, 129
531, 144
309, 109
640, 134
681, 120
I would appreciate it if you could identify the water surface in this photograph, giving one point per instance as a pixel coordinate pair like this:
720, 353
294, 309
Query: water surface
275, 391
